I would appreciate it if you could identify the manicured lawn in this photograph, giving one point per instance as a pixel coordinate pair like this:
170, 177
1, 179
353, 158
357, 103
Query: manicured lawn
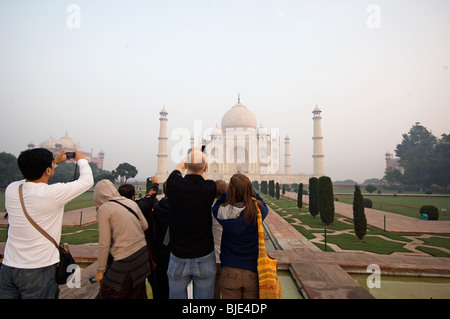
341, 232
80, 235
407, 206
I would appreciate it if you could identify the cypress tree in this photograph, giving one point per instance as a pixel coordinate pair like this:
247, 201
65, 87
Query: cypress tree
314, 196
326, 200
359, 217
264, 187
277, 190
283, 190
299, 196
272, 188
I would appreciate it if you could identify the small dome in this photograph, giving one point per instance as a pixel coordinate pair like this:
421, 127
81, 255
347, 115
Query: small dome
262, 130
239, 116
67, 142
48, 143
216, 131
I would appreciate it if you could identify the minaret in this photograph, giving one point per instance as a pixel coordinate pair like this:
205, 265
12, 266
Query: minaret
162, 148
317, 144
287, 156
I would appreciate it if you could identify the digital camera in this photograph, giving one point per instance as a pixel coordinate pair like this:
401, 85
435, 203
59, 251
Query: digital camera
70, 155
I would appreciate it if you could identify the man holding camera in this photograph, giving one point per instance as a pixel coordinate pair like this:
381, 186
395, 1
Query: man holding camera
29, 264
190, 227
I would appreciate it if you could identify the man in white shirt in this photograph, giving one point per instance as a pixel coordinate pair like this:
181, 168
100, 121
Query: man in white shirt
30, 260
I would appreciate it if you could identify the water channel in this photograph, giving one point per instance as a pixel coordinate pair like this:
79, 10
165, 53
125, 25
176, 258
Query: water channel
406, 287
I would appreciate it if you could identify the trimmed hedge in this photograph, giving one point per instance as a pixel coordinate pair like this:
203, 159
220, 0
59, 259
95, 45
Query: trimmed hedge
431, 211
367, 203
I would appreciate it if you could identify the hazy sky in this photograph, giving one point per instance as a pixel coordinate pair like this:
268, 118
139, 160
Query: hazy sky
103, 70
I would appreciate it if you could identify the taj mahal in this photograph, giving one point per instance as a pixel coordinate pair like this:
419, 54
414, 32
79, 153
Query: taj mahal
240, 146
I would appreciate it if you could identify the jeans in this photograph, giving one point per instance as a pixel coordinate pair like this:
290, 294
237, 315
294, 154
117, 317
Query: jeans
201, 270
37, 283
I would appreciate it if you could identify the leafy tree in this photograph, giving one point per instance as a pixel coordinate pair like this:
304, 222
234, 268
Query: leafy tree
283, 190
417, 135
441, 162
124, 171
67, 171
326, 200
416, 155
9, 170
393, 177
299, 196
371, 188
255, 185
314, 196
373, 181
359, 217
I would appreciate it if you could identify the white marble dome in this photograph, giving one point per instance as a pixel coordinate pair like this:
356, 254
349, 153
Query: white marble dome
239, 116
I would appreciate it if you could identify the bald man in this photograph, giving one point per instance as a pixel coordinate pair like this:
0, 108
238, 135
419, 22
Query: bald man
190, 226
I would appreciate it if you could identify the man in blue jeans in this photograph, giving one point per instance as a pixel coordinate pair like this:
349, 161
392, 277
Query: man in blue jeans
190, 228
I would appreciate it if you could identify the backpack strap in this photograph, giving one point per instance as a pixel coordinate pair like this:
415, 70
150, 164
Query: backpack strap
129, 209
32, 222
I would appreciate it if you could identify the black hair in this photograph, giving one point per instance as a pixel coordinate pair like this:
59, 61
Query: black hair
127, 190
33, 162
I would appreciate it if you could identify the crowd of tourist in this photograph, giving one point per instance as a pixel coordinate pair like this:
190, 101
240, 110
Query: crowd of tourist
201, 234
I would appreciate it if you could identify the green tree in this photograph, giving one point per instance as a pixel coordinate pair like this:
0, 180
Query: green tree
416, 156
326, 200
65, 172
264, 187
373, 181
359, 217
9, 170
314, 196
393, 177
283, 190
68, 171
277, 190
272, 188
124, 172
441, 162
299, 196
371, 188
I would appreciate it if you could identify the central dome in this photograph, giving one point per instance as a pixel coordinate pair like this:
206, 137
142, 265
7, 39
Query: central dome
239, 116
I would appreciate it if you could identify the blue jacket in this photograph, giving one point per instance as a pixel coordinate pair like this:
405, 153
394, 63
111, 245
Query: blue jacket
239, 247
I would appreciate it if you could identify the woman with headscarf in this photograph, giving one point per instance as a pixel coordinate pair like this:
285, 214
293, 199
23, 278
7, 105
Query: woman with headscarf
121, 226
